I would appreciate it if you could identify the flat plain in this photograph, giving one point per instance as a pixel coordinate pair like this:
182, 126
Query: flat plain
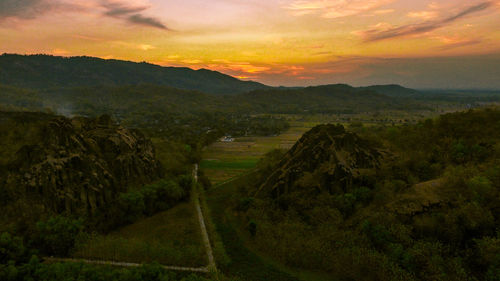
223, 161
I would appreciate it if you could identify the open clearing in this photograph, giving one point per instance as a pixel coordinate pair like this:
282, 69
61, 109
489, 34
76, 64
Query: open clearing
171, 237
225, 160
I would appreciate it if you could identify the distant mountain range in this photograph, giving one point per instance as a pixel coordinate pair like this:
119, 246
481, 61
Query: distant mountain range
44, 71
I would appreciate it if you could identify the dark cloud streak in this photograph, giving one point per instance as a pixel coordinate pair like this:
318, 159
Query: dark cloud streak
471, 10
148, 21
414, 29
30, 9
24, 9
115, 10
132, 15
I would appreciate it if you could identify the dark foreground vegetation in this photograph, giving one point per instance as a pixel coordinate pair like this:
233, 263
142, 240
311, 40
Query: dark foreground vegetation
419, 202
18, 262
64, 180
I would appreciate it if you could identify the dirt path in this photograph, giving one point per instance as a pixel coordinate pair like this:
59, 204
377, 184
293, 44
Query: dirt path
126, 264
204, 233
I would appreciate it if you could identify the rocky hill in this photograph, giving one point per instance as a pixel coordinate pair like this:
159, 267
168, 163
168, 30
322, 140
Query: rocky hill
73, 165
327, 158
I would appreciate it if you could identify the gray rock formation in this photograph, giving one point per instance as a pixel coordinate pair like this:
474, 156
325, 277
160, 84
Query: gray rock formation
80, 164
326, 157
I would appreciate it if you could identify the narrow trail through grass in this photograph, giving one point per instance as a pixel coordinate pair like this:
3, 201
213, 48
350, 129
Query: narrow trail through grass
244, 264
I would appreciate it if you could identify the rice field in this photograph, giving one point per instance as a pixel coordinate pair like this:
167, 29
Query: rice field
225, 160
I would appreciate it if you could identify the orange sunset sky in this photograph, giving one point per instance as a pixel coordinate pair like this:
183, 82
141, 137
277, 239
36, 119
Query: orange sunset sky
420, 44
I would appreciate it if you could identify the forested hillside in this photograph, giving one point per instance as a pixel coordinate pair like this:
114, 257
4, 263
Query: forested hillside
44, 71
53, 165
416, 202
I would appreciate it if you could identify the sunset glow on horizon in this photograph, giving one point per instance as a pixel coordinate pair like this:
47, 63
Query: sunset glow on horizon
277, 42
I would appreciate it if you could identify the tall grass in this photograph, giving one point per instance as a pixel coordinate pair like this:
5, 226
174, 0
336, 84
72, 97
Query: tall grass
171, 237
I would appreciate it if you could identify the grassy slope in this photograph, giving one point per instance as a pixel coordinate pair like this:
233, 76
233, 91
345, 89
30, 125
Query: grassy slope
244, 263
171, 238
225, 161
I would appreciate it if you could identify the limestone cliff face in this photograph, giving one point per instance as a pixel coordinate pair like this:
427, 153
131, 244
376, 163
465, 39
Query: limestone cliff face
327, 157
80, 164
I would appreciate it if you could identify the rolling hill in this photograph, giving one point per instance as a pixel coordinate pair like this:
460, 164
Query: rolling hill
44, 71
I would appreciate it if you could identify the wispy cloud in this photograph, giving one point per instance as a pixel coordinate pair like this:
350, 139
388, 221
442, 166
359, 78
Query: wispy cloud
335, 8
147, 21
383, 12
377, 34
29, 9
425, 15
460, 44
130, 11
132, 14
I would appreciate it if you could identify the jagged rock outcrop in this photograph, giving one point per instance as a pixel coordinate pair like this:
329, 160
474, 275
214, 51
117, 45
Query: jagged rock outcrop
326, 157
80, 164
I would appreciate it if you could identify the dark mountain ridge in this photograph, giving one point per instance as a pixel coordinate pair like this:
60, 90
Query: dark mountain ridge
45, 71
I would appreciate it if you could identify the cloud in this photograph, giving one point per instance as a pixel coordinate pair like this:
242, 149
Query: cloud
132, 14
26, 9
373, 35
456, 72
425, 15
383, 12
460, 44
146, 47
116, 10
335, 8
147, 21
128, 10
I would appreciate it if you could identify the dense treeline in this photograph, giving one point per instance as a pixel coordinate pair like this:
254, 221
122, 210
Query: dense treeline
197, 119
189, 117
56, 234
145, 201
430, 212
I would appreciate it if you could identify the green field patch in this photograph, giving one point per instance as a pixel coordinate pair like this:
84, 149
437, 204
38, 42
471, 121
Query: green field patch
223, 161
232, 165
171, 238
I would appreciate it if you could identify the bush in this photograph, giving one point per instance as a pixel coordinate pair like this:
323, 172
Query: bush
481, 189
57, 235
147, 201
131, 205
12, 248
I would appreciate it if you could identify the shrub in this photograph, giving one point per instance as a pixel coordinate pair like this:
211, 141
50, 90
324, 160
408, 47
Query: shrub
12, 248
57, 235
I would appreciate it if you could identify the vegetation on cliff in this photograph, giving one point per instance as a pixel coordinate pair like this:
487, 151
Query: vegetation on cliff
426, 206
60, 178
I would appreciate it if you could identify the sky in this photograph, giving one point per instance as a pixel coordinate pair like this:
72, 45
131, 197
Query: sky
418, 44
